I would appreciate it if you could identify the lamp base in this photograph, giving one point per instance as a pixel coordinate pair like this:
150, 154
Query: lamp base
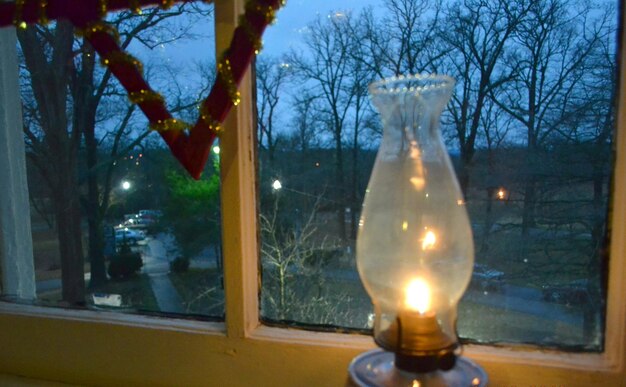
377, 368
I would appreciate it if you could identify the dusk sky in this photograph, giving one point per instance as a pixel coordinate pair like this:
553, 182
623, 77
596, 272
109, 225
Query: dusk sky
285, 33
291, 20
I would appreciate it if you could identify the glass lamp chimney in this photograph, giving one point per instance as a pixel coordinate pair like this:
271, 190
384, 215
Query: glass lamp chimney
415, 250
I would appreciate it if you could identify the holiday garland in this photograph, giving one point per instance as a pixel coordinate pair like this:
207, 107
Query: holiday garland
190, 144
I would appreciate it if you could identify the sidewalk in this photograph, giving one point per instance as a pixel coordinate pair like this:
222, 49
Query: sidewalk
156, 265
165, 293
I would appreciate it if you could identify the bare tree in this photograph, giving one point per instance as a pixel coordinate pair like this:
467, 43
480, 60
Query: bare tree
326, 71
477, 34
304, 123
285, 252
151, 26
66, 89
271, 77
496, 126
553, 46
404, 40
362, 112
56, 146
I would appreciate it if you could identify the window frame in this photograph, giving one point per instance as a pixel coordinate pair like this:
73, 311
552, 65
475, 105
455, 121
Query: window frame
89, 347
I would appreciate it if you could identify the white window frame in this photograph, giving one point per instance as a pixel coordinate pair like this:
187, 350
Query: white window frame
87, 347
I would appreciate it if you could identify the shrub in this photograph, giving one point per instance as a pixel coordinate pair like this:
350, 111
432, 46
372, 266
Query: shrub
125, 263
179, 265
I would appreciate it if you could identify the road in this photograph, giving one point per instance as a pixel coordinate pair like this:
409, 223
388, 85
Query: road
514, 298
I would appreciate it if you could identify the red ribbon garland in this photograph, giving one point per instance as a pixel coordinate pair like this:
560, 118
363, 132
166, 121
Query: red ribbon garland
192, 150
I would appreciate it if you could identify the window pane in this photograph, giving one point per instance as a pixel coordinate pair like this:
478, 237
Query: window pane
116, 222
529, 129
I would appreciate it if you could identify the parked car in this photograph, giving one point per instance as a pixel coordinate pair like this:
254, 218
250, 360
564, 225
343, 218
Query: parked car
571, 293
128, 236
486, 278
155, 214
144, 222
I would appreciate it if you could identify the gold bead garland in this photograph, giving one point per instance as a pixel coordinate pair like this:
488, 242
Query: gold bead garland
102, 8
252, 35
225, 75
135, 7
43, 15
99, 26
166, 4
121, 57
170, 124
264, 10
142, 96
211, 122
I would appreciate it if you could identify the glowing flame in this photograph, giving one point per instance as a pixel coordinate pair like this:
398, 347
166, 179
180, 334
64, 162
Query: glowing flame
501, 194
417, 296
430, 238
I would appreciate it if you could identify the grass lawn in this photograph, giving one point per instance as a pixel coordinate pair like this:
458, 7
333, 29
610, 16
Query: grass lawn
488, 324
201, 291
316, 301
136, 293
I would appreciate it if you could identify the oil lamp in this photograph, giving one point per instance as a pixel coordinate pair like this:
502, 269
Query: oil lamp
415, 251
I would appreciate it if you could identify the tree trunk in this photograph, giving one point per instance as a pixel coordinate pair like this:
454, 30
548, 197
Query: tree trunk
70, 241
94, 213
339, 180
530, 193
354, 205
465, 161
96, 249
464, 179
484, 244
85, 110
528, 213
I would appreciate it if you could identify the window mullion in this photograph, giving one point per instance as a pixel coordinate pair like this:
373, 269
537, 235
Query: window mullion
16, 250
238, 192
615, 336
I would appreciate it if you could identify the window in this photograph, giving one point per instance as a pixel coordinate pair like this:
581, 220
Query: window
83, 347
114, 217
529, 129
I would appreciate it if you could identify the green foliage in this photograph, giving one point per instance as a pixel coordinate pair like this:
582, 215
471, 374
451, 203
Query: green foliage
192, 211
179, 265
125, 263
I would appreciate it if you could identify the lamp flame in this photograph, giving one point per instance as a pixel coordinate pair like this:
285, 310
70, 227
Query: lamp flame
418, 296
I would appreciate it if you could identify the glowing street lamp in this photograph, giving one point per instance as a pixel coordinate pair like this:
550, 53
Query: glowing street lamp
501, 194
126, 185
276, 185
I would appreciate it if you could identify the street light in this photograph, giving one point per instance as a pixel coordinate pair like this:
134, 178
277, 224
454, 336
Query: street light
502, 194
126, 185
276, 185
